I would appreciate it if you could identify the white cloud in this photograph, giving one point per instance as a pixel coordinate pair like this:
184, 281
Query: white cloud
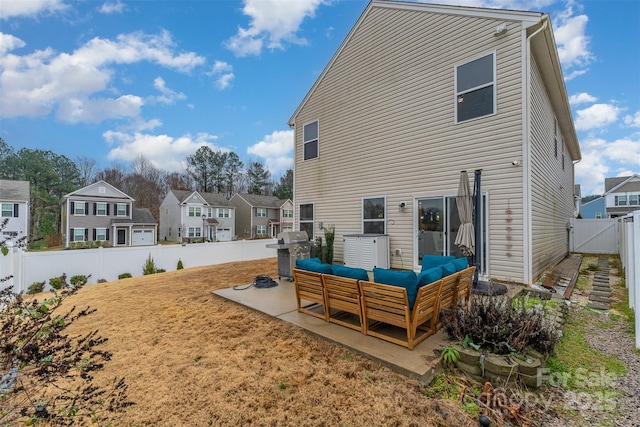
277, 151
602, 158
572, 41
223, 74
41, 82
29, 8
596, 116
581, 98
164, 151
168, 96
110, 8
633, 121
272, 22
9, 43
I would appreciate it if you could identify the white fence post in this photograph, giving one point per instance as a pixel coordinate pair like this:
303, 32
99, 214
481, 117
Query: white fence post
634, 266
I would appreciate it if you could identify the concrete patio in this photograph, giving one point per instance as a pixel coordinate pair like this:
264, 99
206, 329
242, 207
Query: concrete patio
280, 302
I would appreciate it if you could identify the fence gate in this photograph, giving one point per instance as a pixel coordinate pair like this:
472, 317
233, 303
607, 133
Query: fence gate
594, 236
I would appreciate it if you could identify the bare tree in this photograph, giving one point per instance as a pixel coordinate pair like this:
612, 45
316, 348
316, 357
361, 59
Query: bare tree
87, 168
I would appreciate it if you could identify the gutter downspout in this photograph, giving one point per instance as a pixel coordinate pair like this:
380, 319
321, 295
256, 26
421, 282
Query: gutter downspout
526, 157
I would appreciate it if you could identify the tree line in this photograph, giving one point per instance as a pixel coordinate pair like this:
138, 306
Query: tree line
52, 175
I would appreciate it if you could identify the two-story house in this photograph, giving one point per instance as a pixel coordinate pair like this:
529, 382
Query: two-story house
262, 216
100, 212
14, 204
195, 216
594, 209
622, 195
417, 93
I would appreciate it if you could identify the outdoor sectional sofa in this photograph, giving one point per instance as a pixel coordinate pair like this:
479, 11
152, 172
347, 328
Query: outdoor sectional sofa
395, 298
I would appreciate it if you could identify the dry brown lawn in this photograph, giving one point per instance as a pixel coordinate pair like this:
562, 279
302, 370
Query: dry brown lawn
191, 358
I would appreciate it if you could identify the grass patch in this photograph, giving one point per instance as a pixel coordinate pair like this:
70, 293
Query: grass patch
605, 325
582, 284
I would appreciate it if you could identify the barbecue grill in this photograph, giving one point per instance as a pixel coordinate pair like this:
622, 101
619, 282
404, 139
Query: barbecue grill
292, 245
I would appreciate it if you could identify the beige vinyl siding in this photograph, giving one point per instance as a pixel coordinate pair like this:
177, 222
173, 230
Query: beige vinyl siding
386, 128
552, 204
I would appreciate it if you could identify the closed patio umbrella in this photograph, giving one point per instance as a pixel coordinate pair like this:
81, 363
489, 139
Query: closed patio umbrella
466, 234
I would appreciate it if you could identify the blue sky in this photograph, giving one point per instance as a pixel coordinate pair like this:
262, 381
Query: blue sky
113, 80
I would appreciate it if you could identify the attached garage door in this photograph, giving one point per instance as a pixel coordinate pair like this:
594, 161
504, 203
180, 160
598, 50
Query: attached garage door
142, 237
224, 234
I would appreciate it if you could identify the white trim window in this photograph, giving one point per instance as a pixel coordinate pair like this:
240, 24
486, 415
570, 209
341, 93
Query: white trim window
195, 211
195, 232
121, 209
7, 210
634, 199
261, 212
224, 213
261, 230
621, 200
101, 210
287, 213
310, 140
80, 208
475, 88
101, 234
598, 215
373, 215
306, 219
78, 234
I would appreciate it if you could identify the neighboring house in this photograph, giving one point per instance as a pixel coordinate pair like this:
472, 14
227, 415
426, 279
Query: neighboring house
101, 213
622, 195
193, 216
594, 209
417, 93
262, 216
14, 202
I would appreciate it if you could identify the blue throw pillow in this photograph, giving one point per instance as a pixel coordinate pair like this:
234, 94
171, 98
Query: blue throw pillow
430, 261
448, 269
404, 278
311, 265
350, 272
461, 263
317, 260
429, 276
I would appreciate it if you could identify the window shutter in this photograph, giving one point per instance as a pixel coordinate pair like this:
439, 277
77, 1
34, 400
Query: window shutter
94, 234
86, 208
107, 235
127, 210
71, 232
107, 209
115, 209
86, 234
95, 208
15, 210
73, 208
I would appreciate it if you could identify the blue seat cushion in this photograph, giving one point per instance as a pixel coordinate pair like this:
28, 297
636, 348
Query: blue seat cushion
312, 265
403, 278
429, 276
448, 269
350, 272
461, 263
430, 261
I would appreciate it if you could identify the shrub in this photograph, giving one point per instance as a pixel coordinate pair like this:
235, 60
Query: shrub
79, 280
59, 282
180, 266
101, 281
160, 270
124, 276
36, 288
149, 266
496, 325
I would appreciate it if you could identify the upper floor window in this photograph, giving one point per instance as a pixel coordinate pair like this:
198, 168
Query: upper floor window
79, 208
633, 199
621, 200
475, 88
8, 210
306, 219
598, 215
121, 209
101, 209
224, 213
373, 215
310, 140
287, 213
194, 211
262, 212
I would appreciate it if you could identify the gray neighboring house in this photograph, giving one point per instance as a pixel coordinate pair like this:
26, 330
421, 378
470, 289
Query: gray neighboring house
193, 215
101, 212
262, 216
14, 201
622, 195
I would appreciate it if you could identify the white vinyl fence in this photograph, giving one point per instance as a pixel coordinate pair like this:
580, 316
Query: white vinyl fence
594, 236
630, 258
29, 267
